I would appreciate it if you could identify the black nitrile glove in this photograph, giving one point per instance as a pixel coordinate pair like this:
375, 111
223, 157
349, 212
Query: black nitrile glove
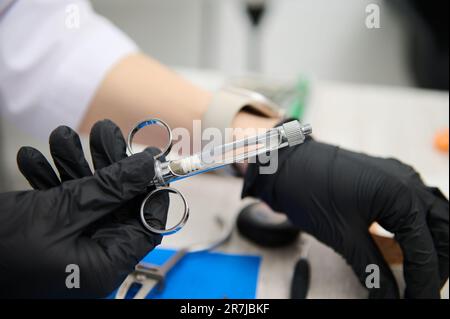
89, 220
335, 195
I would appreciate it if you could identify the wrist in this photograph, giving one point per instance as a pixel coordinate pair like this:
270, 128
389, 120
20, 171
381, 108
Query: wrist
246, 120
238, 108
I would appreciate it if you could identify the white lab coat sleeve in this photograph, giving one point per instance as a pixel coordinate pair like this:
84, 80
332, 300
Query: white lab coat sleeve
53, 56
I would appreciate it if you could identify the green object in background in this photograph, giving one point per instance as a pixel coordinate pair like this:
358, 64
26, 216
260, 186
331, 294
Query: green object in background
298, 105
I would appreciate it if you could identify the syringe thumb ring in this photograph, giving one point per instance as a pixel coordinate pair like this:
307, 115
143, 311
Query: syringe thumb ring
173, 229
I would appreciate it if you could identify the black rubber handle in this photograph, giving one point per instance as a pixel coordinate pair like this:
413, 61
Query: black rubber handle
256, 223
300, 280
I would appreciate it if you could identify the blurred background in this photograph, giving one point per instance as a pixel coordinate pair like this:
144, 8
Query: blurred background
319, 38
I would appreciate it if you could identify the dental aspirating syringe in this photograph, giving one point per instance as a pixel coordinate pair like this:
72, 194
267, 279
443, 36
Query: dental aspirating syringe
288, 134
167, 171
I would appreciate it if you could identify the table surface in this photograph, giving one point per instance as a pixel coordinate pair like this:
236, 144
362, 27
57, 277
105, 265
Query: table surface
397, 122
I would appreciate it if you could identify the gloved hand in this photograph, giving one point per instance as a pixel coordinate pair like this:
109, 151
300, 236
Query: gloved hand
335, 195
90, 220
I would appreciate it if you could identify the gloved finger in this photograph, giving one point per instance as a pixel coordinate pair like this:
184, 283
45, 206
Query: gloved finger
103, 158
107, 144
36, 169
122, 246
408, 223
127, 241
89, 199
67, 153
155, 210
438, 223
421, 269
371, 269
153, 151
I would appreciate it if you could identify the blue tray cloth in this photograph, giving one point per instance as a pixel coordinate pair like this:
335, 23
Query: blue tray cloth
207, 275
